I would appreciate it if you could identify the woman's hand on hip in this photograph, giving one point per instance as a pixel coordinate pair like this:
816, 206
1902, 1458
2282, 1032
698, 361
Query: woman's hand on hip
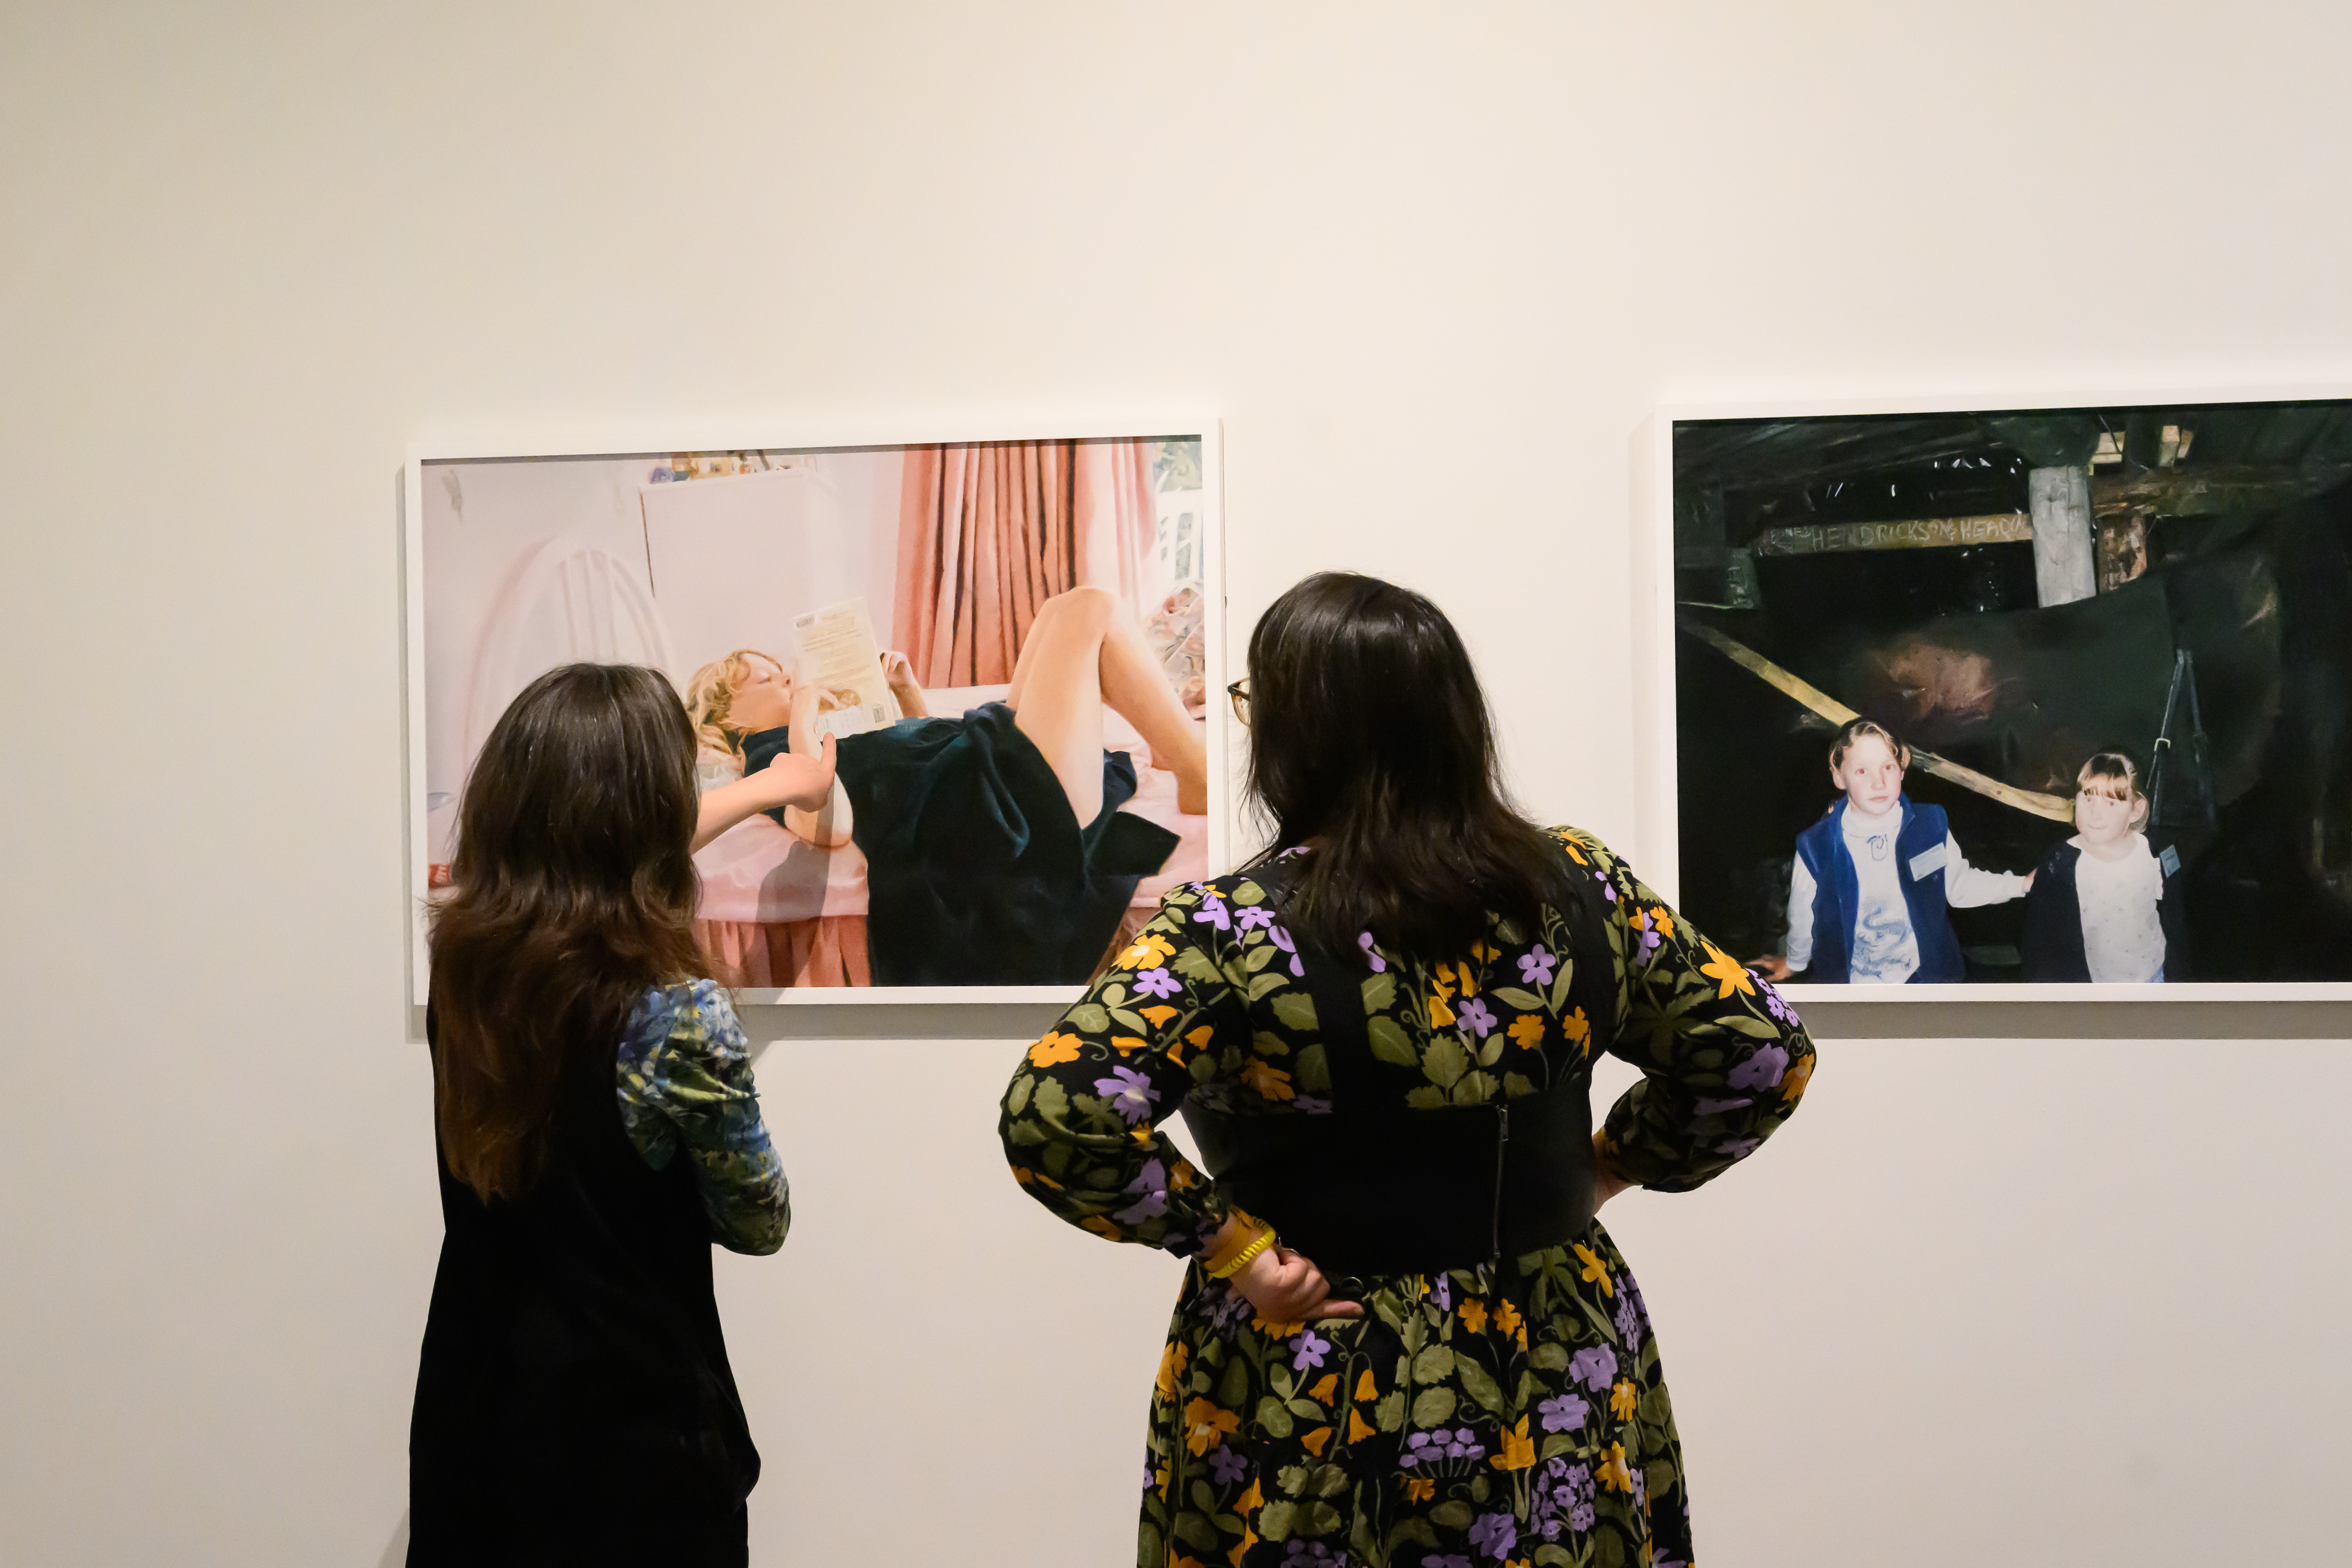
1285, 1287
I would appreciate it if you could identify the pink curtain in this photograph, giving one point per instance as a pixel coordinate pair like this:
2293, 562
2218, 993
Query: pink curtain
988, 532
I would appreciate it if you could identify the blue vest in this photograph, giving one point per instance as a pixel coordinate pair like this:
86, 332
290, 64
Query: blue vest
1837, 895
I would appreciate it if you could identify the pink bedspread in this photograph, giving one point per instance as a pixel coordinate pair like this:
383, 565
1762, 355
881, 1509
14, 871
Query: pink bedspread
758, 873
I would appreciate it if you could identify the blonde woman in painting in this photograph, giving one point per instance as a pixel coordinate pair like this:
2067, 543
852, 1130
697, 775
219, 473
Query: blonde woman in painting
996, 853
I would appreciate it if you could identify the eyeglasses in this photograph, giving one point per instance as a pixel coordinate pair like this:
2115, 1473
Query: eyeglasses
1239, 693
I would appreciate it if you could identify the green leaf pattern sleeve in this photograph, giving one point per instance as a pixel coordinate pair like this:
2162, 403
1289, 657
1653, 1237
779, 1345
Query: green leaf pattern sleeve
685, 1083
1724, 1059
1078, 1120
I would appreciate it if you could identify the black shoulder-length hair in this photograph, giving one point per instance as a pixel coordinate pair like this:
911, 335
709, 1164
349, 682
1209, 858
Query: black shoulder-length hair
573, 894
1369, 735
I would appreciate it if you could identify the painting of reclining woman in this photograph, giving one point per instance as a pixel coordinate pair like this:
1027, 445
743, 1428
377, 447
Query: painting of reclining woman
1000, 651
2028, 695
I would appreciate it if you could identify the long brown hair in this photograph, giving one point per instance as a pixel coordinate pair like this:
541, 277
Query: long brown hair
574, 890
1370, 734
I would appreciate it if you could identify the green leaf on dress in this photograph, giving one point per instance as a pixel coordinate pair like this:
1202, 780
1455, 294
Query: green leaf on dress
1432, 1405
1389, 1042
1307, 1410
1262, 985
1428, 1097
1088, 1018
1257, 958
1552, 1555
1203, 1498
1380, 992
1522, 1001
1018, 1095
1274, 1417
1053, 1100
1197, 1532
1233, 1393
1477, 1385
1453, 1513
1295, 1010
1291, 1479
1388, 1413
1445, 1061
1277, 1520
1312, 1073
1193, 965
1432, 1364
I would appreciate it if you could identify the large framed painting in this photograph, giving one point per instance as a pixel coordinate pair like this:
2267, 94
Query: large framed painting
1014, 636
2030, 700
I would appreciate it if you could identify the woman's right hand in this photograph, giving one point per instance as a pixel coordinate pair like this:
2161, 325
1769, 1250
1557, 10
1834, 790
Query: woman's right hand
1285, 1287
791, 778
1772, 967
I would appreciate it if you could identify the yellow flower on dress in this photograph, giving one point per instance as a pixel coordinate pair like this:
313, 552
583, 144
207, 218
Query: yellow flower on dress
1053, 1050
1466, 979
1725, 970
1158, 1015
1621, 1400
1125, 1044
1102, 1228
1793, 1082
1251, 1501
1206, 1426
1574, 853
1241, 1547
1579, 1030
1519, 1449
1171, 1368
1611, 1472
1474, 1316
1526, 1029
1418, 1488
1270, 1081
1201, 1037
1325, 1387
1595, 1271
1365, 1387
1147, 951
1662, 921
1024, 1174
1508, 1320
1314, 1441
1358, 1427
1441, 1016
1279, 1329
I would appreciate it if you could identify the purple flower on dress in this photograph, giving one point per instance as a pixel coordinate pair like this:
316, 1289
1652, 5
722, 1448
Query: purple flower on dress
1212, 912
1443, 1560
1151, 1478
1718, 1107
1629, 1322
1282, 940
1658, 1559
1130, 1092
1380, 966
1761, 1070
1227, 1466
1311, 1105
1464, 1445
1774, 1003
1232, 1308
1565, 1413
1739, 1148
1476, 1014
1416, 1449
1494, 1534
1312, 1554
1151, 1187
1309, 1351
1252, 917
1641, 1486
1537, 964
1440, 1291
1608, 889
1595, 1368
1158, 983
1651, 938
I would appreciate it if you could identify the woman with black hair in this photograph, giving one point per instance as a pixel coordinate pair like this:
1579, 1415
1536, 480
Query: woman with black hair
1405, 1338
598, 1131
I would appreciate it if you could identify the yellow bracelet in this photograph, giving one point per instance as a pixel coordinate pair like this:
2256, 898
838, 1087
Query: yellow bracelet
1244, 1223
1257, 1243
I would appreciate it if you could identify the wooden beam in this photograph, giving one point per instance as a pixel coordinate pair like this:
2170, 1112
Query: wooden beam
1914, 534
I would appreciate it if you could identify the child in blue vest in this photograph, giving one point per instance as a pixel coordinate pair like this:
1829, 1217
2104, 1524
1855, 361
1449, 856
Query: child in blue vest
1873, 879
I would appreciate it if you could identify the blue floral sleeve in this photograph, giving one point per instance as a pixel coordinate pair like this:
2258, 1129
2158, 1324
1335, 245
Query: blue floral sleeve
685, 1083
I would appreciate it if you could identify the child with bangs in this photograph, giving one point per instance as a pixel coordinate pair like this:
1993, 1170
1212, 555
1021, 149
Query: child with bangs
2103, 907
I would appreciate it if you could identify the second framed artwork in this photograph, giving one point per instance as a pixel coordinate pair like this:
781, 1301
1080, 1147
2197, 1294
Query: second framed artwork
1015, 637
2009, 700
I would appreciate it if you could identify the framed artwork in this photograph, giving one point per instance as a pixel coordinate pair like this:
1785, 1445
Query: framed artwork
2007, 700
1015, 636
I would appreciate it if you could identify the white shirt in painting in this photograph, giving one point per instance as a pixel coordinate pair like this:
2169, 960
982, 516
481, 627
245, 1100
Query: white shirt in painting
1885, 949
2123, 937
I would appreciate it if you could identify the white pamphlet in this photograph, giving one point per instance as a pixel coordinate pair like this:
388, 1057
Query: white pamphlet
839, 655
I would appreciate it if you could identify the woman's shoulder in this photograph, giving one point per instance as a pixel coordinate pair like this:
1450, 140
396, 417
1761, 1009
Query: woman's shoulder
692, 1015
1586, 850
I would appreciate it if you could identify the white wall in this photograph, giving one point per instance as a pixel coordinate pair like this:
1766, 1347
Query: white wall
2003, 1301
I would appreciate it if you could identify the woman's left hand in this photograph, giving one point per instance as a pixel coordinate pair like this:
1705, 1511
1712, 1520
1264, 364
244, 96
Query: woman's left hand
1286, 1287
792, 779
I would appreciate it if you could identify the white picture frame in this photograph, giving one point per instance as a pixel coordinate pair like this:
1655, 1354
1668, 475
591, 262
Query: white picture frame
1664, 654
785, 438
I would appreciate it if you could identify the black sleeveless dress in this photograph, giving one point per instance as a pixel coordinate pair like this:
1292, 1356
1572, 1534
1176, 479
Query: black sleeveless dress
574, 1401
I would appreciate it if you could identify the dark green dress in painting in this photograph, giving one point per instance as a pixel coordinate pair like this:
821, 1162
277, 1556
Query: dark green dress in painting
1508, 1412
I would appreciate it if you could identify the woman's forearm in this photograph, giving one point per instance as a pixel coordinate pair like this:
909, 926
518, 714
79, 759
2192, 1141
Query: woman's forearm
724, 806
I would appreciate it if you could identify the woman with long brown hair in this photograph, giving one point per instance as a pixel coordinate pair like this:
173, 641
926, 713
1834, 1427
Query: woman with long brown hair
1404, 1339
597, 1130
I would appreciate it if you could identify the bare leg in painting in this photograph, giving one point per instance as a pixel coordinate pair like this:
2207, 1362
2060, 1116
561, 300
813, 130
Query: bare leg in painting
1086, 652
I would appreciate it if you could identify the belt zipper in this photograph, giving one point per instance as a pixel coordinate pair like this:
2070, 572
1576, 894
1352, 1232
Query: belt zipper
1502, 1143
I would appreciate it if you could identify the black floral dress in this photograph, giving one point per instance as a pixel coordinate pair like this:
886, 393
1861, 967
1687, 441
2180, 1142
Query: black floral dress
1505, 1414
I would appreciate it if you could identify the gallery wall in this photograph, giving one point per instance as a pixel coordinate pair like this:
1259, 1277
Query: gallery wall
2013, 1300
